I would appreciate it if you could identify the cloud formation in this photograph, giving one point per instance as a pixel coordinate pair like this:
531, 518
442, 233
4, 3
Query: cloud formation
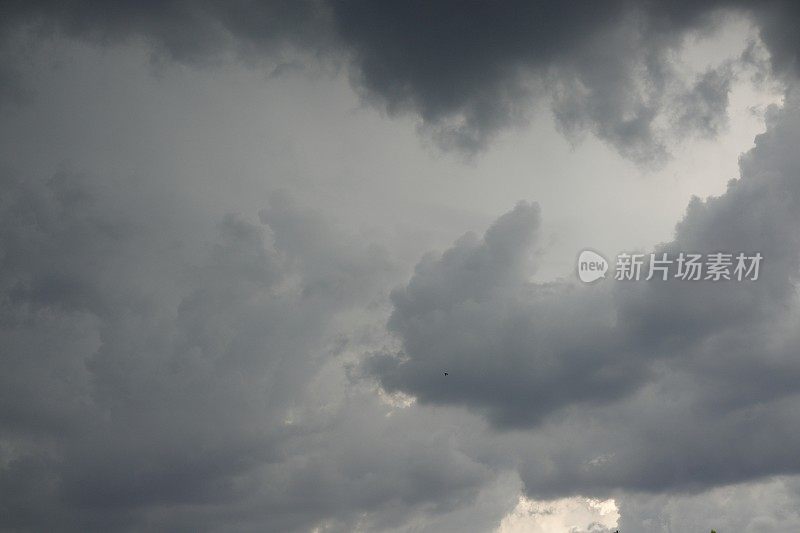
153, 375
655, 386
516, 350
165, 371
468, 71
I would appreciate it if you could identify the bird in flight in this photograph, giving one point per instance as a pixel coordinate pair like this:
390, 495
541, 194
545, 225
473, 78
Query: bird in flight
445, 373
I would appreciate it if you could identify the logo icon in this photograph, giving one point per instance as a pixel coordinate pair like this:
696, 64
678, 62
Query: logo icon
591, 266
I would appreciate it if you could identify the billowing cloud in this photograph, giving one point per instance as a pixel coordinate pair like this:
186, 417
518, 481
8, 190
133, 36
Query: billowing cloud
166, 369
468, 71
660, 385
471, 70
152, 376
514, 349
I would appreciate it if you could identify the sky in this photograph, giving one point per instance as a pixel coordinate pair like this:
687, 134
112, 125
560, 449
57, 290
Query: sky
311, 266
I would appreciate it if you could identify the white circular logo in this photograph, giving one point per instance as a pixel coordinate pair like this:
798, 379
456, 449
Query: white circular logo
591, 266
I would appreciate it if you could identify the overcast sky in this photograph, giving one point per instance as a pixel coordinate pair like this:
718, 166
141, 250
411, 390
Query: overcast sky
310, 266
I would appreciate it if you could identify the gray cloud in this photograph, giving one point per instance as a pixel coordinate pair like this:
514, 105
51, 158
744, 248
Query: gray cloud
160, 375
186, 32
471, 71
510, 348
468, 71
160, 379
765, 507
702, 109
656, 386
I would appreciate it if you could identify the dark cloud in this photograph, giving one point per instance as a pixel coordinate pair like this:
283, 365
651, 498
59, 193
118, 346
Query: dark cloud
153, 375
655, 386
470, 70
161, 375
467, 70
511, 348
184, 31
776, 19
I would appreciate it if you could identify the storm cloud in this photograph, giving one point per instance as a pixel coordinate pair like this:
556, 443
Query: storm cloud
680, 386
467, 70
182, 353
133, 381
